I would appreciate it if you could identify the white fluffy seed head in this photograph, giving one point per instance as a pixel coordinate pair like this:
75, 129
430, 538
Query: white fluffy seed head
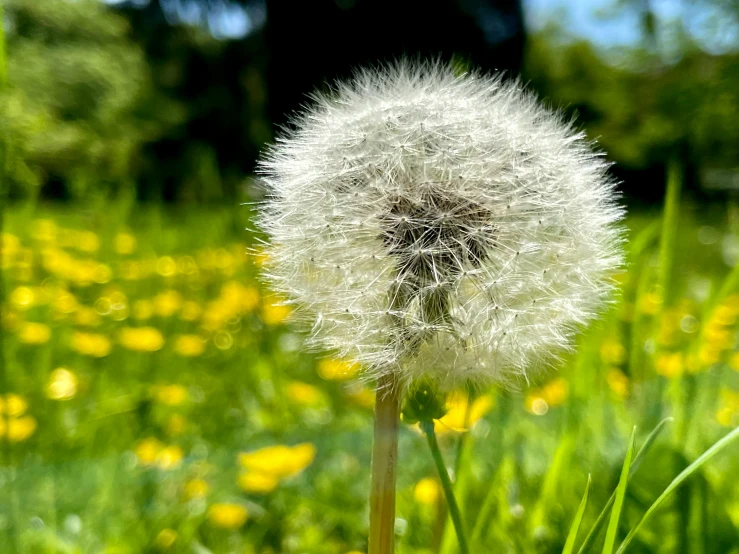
439, 226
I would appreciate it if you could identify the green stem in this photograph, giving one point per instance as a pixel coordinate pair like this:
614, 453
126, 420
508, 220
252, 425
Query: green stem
384, 466
446, 485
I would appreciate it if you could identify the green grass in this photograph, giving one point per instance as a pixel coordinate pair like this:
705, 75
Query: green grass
133, 451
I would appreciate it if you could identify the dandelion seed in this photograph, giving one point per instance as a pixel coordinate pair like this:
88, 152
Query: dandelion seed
437, 226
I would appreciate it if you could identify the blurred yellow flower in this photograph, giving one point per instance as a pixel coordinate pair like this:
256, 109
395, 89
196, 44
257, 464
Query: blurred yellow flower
362, 396
427, 491
22, 298
170, 395
304, 394
332, 369
124, 243
86, 316
191, 310
87, 241
64, 303
170, 457
91, 344
143, 309
227, 515
166, 266
176, 424
457, 417
34, 333
14, 405
141, 339
734, 361
21, 428
167, 303
62, 384
165, 539
650, 303
189, 345
670, 365
555, 392
280, 461
256, 482
274, 314
618, 382
147, 451
613, 352
196, 488
44, 230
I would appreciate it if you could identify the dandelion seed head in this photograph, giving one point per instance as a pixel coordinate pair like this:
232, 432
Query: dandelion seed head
439, 226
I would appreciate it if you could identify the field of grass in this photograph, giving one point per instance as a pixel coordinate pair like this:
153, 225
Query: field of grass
157, 401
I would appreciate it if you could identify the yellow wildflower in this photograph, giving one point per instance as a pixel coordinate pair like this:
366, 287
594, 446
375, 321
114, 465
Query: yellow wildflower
336, 370
91, 344
176, 424
196, 488
87, 241
166, 266
427, 491
21, 428
165, 539
227, 515
64, 303
170, 395
86, 317
304, 394
274, 314
14, 405
257, 482
457, 418
124, 243
555, 392
147, 451
670, 365
170, 457
362, 396
167, 303
34, 333
613, 352
62, 384
22, 298
191, 310
618, 382
44, 230
650, 303
143, 309
279, 461
141, 339
189, 345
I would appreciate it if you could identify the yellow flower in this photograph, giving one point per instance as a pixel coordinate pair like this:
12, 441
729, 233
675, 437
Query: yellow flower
336, 370
279, 461
734, 361
170, 457
87, 241
64, 303
62, 384
304, 394
14, 405
670, 365
22, 298
258, 483
191, 310
362, 396
427, 491
456, 417
189, 345
91, 344
141, 339
86, 317
555, 392
166, 266
21, 428
147, 451
196, 488
176, 424
613, 352
34, 333
143, 309
170, 395
274, 314
124, 243
227, 515
618, 383
167, 303
44, 230
165, 539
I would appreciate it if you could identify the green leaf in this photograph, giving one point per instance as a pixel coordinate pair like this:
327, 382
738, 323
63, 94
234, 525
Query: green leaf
634, 467
610, 541
575, 527
676, 482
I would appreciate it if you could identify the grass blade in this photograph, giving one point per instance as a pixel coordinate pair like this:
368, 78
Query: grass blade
677, 481
634, 467
575, 527
619, 501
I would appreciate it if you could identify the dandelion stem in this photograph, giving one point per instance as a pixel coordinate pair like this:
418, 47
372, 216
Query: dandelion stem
446, 485
384, 464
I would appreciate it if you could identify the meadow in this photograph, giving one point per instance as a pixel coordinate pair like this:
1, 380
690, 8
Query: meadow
157, 399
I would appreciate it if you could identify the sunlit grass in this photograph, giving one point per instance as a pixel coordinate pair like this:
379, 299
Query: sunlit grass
157, 400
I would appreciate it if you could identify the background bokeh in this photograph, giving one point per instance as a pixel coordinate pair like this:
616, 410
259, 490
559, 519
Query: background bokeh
156, 399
